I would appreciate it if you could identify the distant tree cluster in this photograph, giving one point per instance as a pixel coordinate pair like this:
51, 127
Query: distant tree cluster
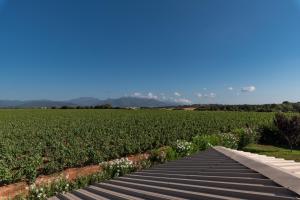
284, 107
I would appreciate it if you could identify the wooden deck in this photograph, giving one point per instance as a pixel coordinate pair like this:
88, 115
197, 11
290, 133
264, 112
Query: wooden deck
209, 175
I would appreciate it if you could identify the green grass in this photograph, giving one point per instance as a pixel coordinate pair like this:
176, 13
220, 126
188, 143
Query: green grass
277, 152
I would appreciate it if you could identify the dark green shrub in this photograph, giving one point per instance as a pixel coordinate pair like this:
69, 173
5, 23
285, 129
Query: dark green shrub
289, 127
270, 135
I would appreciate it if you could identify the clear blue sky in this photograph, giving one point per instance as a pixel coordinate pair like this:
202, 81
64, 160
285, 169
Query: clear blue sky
204, 51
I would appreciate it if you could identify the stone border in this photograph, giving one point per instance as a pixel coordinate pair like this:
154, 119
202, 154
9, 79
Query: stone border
71, 174
279, 176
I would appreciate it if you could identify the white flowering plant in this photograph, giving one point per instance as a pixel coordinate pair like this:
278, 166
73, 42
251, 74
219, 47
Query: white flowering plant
229, 140
118, 167
60, 186
184, 148
37, 192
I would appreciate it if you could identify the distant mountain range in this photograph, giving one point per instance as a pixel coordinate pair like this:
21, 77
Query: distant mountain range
87, 101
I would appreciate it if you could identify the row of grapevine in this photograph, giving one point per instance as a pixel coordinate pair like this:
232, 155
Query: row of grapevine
35, 142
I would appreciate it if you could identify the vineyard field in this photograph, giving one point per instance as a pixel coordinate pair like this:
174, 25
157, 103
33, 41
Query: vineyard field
35, 142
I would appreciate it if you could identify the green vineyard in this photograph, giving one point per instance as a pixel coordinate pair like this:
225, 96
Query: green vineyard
35, 142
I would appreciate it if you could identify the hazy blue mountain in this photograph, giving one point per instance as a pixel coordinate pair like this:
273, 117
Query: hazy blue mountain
44, 103
87, 101
10, 103
120, 102
136, 102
